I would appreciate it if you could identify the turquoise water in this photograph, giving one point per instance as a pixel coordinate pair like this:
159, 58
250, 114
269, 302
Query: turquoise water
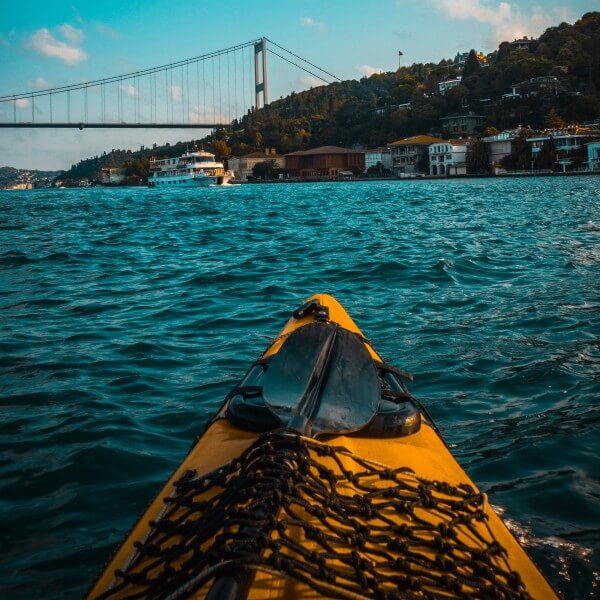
127, 314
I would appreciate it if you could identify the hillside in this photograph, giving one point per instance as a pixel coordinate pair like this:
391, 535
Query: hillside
388, 106
10, 176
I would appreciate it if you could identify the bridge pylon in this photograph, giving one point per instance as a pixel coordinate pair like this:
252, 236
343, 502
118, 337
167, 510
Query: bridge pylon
260, 86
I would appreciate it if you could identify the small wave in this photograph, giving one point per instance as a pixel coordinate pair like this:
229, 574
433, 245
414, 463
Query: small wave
15, 259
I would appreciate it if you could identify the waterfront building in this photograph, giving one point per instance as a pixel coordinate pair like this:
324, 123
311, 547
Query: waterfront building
243, 166
448, 158
378, 155
462, 123
448, 84
325, 162
112, 176
410, 155
593, 153
568, 144
499, 146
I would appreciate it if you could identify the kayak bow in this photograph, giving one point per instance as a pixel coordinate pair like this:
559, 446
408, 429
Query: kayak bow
376, 506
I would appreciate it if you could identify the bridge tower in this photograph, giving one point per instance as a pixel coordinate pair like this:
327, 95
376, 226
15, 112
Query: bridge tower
260, 47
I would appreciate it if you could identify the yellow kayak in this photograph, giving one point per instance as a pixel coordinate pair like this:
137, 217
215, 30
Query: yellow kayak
320, 477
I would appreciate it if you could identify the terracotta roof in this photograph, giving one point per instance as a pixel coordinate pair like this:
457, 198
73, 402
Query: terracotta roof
325, 150
418, 140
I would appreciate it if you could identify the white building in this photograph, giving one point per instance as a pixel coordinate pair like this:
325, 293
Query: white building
448, 158
410, 154
499, 146
448, 84
567, 143
242, 166
593, 152
378, 155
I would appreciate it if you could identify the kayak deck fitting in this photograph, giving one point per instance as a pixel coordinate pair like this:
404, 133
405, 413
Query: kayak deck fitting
259, 509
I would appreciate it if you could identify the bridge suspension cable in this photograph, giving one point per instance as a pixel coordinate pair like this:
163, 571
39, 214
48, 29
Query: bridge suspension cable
199, 92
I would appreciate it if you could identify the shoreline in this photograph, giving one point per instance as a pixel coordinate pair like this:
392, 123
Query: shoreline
418, 178
290, 181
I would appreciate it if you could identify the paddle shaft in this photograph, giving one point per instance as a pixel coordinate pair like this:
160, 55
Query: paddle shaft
309, 401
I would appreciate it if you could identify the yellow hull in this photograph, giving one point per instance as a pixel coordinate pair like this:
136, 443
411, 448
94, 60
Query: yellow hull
424, 452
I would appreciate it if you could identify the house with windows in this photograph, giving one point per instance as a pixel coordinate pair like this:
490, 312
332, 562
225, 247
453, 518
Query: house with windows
568, 144
410, 156
462, 123
498, 146
377, 156
448, 158
448, 84
523, 43
546, 85
593, 153
243, 166
325, 162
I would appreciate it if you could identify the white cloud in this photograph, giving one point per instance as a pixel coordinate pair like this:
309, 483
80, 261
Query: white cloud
309, 81
203, 114
43, 42
310, 22
507, 19
130, 90
474, 9
175, 93
368, 70
107, 31
39, 83
21, 102
71, 34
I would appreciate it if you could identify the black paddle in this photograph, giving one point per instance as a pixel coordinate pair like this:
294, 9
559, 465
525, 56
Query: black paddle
322, 381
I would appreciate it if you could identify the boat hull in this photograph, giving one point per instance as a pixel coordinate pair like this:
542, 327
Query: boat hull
423, 452
190, 182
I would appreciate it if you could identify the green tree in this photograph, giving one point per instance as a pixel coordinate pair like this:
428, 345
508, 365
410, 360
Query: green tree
553, 120
491, 130
520, 157
547, 155
268, 169
221, 149
472, 66
477, 158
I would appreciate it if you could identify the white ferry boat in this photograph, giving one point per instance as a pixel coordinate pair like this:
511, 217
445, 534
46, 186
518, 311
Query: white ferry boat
193, 169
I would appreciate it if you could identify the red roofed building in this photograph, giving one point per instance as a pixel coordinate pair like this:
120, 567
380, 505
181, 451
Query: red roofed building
411, 155
326, 162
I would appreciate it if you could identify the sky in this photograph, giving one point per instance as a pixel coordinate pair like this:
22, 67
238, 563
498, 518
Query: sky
47, 43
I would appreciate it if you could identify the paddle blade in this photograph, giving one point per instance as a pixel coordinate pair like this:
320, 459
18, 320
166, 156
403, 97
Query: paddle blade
347, 393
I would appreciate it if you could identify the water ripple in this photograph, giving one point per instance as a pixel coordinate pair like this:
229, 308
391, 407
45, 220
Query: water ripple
127, 314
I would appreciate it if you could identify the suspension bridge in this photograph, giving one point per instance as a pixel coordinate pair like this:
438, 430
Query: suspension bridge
209, 91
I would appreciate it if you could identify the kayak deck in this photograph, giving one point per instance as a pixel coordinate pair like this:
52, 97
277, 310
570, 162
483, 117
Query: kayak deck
402, 468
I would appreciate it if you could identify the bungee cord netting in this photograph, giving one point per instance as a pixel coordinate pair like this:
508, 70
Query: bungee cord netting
344, 526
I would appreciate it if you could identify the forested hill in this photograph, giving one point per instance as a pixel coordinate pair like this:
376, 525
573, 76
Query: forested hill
388, 106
